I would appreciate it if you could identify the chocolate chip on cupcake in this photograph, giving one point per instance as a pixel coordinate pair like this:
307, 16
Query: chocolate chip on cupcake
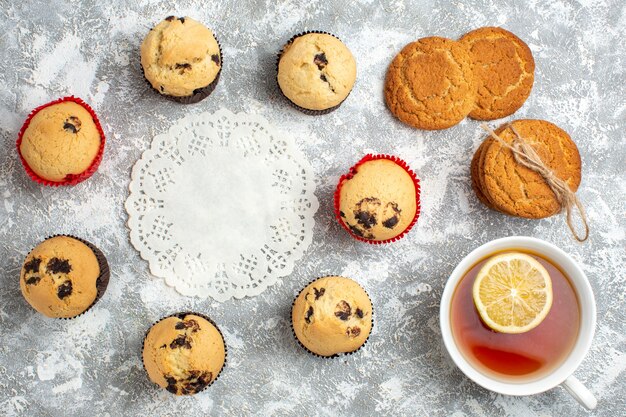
332, 315
181, 59
316, 72
63, 277
184, 353
61, 143
378, 200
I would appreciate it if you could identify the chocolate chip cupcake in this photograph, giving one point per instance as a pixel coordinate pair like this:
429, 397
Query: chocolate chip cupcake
184, 353
63, 277
181, 59
332, 315
61, 143
316, 72
378, 201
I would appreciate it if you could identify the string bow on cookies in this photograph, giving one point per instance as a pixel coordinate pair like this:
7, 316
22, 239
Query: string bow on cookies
526, 156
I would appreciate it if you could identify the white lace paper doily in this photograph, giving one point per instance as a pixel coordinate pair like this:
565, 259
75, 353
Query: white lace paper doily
221, 205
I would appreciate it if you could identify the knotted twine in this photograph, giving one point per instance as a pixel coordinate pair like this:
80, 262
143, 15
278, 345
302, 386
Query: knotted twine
526, 155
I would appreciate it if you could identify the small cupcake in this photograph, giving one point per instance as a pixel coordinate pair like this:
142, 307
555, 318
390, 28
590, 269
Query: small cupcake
63, 277
184, 353
316, 72
181, 58
378, 201
332, 315
61, 143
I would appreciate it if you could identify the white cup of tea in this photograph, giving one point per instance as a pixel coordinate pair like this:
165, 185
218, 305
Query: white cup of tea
563, 373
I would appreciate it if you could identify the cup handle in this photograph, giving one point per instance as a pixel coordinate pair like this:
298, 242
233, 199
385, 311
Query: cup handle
580, 392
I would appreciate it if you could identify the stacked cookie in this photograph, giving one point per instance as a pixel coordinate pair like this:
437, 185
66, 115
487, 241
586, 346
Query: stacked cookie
504, 71
434, 83
504, 184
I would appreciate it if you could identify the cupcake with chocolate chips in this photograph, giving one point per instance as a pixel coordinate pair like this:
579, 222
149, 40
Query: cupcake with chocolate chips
332, 315
61, 143
63, 277
181, 58
378, 200
184, 353
316, 72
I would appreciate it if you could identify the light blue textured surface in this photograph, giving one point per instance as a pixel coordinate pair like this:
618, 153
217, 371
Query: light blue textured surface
92, 366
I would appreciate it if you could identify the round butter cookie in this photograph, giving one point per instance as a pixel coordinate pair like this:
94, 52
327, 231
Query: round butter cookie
514, 189
430, 84
475, 171
505, 71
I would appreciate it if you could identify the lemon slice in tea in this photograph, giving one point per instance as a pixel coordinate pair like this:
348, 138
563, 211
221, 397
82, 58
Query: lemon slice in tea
512, 293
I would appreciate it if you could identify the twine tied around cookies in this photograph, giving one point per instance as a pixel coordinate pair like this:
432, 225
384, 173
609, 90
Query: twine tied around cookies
526, 156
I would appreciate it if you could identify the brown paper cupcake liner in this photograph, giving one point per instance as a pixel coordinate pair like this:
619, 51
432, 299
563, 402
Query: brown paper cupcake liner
353, 171
294, 105
70, 179
102, 281
198, 94
337, 355
181, 316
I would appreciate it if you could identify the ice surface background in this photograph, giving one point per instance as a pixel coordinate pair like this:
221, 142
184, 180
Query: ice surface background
92, 365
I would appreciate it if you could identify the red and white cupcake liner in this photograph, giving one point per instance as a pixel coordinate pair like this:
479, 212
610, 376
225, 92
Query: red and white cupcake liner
70, 179
352, 172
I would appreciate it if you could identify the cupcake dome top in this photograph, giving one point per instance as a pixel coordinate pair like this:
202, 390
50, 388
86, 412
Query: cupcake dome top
61, 140
180, 55
316, 71
378, 200
58, 278
184, 354
332, 315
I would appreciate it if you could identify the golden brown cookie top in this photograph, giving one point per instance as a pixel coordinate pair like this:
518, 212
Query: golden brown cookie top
475, 172
180, 55
332, 315
518, 190
60, 140
184, 355
430, 83
316, 71
504, 69
58, 278
379, 201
